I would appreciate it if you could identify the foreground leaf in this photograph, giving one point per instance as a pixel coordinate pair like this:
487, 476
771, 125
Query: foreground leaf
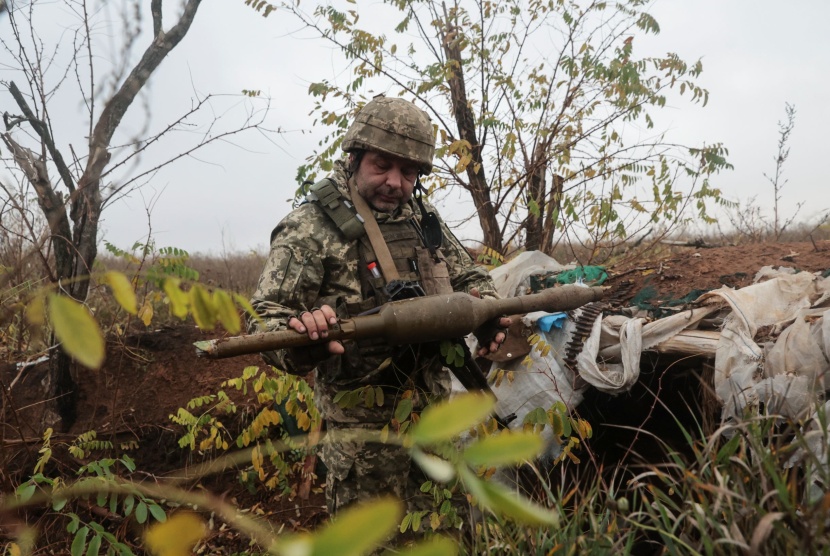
506, 448
438, 546
204, 313
179, 300
226, 311
447, 419
434, 467
504, 502
176, 536
77, 331
353, 532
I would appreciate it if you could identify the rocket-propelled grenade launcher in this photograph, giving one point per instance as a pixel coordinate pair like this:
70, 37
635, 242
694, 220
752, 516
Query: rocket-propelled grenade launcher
412, 321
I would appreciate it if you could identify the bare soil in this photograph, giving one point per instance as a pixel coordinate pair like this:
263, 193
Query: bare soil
681, 270
148, 376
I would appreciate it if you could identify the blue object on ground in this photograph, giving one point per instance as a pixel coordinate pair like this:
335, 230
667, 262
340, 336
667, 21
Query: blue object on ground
549, 321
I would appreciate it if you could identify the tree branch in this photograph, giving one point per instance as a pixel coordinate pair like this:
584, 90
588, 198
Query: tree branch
43, 132
117, 106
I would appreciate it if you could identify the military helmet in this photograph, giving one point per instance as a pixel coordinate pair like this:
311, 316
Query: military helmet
393, 126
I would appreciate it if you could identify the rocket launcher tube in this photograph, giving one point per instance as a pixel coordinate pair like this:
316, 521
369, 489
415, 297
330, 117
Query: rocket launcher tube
411, 321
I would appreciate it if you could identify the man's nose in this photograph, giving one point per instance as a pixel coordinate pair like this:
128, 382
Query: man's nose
394, 177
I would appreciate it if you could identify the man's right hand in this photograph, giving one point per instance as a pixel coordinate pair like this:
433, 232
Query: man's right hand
316, 324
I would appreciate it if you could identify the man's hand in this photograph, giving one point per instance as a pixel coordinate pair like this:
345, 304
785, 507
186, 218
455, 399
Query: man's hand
492, 334
316, 324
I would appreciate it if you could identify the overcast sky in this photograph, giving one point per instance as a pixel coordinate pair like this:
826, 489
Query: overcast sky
757, 55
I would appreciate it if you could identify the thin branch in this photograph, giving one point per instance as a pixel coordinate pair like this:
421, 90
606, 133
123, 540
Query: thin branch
45, 136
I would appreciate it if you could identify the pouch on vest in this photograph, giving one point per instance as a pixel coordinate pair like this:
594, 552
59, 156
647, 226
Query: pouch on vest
339, 209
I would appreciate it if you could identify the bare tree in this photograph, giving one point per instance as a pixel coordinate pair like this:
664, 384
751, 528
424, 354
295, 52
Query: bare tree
72, 185
777, 180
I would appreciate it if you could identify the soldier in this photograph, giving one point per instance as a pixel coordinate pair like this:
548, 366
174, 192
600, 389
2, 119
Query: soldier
335, 257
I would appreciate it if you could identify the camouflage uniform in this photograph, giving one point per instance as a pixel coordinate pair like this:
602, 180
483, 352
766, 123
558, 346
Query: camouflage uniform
312, 264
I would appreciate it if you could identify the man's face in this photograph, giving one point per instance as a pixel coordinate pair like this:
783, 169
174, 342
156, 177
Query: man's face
385, 181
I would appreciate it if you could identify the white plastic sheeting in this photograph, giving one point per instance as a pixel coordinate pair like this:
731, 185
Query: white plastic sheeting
513, 278
773, 348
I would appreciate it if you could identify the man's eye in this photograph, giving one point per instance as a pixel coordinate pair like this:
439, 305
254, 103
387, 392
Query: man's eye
410, 173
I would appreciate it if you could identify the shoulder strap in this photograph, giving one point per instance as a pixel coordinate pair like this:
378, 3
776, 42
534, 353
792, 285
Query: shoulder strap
326, 194
387, 264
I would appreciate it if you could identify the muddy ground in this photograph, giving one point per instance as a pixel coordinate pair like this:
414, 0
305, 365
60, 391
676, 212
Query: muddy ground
148, 376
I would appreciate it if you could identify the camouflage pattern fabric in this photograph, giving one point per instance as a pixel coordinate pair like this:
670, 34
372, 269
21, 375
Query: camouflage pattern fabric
358, 471
393, 126
310, 263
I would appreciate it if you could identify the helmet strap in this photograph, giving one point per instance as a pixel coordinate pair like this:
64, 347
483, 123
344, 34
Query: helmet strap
354, 161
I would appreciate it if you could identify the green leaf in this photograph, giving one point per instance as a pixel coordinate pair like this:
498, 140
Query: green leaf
94, 546
77, 331
158, 512
201, 304
403, 410
128, 462
129, 502
226, 311
355, 531
141, 512
437, 546
502, 501
72, 526
505, 448
444, 420
179, 300
79, 542
434, 467
26, 491
728, 449
122, 290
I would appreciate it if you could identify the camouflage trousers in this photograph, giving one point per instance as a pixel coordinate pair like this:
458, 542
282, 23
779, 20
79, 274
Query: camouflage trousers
359, 471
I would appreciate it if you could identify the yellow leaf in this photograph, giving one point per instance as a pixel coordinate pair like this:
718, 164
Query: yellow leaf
178, 299
226, 311
177, 536
146, 313
14, 550
201, 303
122, 290
77, 331
355, 531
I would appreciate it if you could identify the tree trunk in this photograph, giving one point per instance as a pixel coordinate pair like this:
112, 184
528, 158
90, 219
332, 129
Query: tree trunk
536, 194
465, 120
77, 247
553, 213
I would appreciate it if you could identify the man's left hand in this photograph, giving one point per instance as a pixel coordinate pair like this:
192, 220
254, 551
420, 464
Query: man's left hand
492, 334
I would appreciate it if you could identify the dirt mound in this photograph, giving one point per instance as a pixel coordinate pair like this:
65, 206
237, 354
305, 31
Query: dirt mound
684, 270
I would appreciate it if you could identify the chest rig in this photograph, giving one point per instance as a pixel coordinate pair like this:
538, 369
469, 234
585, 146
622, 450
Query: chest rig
398, 260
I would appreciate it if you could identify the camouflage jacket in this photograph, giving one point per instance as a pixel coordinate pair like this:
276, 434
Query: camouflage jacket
311, 264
